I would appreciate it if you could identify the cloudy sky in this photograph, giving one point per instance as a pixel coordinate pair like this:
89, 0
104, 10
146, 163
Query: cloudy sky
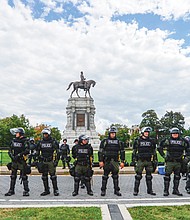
137, 51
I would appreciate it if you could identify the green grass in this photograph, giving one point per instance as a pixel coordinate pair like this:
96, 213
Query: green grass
4, 157
160, 212
66, 213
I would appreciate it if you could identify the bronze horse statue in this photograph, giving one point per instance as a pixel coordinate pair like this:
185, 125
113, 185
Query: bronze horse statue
78, 85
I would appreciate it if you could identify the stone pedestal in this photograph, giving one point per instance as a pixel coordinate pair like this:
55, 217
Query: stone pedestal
80, 120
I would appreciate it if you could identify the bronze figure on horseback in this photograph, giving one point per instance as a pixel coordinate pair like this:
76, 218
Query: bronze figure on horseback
83, 84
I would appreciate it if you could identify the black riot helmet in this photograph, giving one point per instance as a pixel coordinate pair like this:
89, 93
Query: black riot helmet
175, 131
19, 130
187, 138
83, 137
46, 131
146, 129
113, 129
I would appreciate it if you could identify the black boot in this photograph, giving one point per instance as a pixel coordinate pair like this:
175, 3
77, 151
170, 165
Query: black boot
104, 184
88, 186
149, 185
54, 183
138, 178
188, 183
166, 185
176, 185
116, 185
46, 186
82, 184
25, 184
12, 186
76, 186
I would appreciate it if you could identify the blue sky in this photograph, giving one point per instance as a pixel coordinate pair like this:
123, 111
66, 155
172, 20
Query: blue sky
139, 50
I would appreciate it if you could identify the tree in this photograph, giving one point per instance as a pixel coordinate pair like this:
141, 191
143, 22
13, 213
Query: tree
13, 122
172, 119
150, 119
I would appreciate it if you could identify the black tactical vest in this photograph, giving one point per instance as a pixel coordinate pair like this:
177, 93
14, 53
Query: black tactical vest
111, 149
64, 149
83, 153
47, 148
145, 148
18, 145
176, 148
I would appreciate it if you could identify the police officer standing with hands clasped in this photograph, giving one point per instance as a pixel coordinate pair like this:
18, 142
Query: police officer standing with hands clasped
111, 152
144, 155
175, 148
18, 150
47, 153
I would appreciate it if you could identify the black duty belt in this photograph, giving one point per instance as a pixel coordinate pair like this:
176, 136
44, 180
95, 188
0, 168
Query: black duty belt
82, 163
145, 159
47, 159
175, 160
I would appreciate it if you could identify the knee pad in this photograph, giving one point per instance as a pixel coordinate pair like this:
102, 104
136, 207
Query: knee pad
116, 176
148, 177
24, 178
13, 177
105, 177
87, 179
167, 178
177, 177
53, 177
138, 176
44, 178
77, 179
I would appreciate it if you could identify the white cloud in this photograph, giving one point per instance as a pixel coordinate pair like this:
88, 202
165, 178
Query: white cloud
135, 69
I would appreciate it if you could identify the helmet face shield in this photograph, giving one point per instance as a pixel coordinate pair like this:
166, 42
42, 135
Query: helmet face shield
46, 131
174, 131
19, 130
146, 129
113, 130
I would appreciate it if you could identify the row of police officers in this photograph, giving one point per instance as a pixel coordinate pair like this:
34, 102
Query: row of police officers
47, 153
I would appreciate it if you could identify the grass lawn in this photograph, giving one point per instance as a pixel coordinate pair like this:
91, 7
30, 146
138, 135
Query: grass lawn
66, 213
160, 212
4, 158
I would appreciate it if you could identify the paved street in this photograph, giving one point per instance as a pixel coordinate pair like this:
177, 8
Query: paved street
65, 184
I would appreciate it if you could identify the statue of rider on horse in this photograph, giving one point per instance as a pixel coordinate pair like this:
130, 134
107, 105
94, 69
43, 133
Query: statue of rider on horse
83, 84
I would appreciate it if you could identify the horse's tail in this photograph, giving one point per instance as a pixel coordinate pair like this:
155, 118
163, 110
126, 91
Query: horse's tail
69, 85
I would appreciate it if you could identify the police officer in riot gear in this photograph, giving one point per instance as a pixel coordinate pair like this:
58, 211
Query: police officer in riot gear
64, 152
32, 154
18, 150
175, 148
47, 152
111, 149
144, 156
82, 182
83, 155
187, 187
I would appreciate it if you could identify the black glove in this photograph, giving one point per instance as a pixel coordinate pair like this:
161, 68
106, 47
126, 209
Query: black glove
133, 164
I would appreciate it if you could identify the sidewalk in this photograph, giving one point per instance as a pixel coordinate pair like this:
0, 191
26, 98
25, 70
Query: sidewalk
59, 171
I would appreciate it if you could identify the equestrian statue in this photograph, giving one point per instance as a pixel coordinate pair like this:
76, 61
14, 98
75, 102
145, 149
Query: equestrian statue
83, 84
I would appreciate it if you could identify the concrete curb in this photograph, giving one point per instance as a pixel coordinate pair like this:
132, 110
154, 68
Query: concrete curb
59, 171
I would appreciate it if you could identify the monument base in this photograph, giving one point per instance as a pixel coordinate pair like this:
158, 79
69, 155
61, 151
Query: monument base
80, 120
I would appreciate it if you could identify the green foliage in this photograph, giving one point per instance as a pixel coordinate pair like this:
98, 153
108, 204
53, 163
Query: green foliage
55, 132
13, 122
150, 119
173, 119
